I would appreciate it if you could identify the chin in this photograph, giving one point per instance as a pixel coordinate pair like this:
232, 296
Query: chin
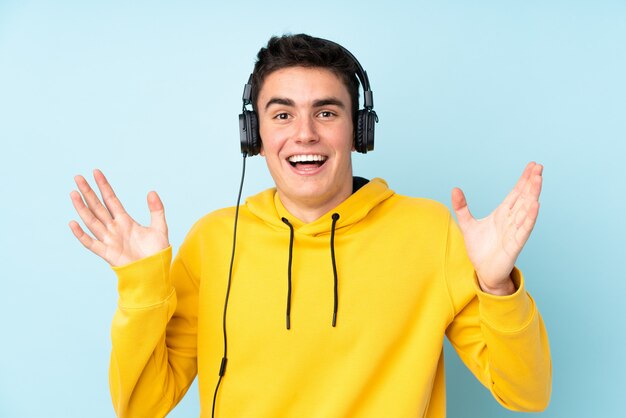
309, 193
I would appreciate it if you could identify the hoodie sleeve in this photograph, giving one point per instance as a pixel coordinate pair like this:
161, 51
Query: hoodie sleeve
153, 357
501, 339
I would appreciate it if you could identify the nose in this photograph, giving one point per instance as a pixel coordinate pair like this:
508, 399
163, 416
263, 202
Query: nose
306, 131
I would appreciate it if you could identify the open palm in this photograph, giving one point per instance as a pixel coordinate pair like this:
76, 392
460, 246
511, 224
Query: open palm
494, 243
117, 237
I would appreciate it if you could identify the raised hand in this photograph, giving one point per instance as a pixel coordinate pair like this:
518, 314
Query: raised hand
117, 237
494, 243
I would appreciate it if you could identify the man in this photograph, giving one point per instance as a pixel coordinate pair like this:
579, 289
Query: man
340, 291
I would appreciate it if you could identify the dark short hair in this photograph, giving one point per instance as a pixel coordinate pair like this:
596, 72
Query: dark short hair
305, 51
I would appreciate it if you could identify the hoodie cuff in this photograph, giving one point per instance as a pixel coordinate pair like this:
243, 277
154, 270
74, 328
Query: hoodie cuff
509, 313
145, 282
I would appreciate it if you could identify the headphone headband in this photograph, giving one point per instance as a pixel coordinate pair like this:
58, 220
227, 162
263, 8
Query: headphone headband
368, 95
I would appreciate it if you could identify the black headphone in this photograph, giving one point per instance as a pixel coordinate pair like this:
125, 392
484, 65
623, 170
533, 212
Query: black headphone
365, 119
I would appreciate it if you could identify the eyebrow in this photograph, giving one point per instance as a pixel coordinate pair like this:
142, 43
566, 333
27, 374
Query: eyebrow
327, 101
279, 101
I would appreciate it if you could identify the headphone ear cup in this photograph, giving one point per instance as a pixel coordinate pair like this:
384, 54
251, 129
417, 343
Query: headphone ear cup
358, 138
368, 135
364, 139
249, 133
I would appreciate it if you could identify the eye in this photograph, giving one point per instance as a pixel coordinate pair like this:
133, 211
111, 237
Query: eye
326, 114
282, 116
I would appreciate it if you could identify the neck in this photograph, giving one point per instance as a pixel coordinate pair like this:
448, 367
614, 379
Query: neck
311, 210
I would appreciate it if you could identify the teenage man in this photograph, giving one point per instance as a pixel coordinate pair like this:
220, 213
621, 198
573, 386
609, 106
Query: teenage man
342, 290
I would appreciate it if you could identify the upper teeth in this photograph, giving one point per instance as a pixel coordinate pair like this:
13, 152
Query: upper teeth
302, 158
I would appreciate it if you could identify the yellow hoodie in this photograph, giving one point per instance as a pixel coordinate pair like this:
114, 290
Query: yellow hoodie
403, 282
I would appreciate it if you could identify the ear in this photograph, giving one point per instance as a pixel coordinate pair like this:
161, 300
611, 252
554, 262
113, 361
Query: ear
262, 151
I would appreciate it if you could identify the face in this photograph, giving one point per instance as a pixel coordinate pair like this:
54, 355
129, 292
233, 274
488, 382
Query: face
305, 124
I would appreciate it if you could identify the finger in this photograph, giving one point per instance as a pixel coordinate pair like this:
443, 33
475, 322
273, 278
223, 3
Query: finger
512, 197
528, 224
531, 191
157, 212
535, 182
91, 244
459, 204
92, 200
89, 219
111, 201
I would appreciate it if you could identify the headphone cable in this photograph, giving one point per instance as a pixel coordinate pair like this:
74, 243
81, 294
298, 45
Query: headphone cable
230, 276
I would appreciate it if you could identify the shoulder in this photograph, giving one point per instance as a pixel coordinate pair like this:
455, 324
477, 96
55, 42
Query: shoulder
217, 216
423, 207
411, 217
215, 222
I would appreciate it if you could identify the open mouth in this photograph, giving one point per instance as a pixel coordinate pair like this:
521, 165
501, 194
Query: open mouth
309, 161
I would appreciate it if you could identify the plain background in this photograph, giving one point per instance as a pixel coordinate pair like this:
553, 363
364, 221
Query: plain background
467, 93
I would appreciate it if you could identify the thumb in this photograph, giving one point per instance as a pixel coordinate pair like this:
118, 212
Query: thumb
459, 204
157, 212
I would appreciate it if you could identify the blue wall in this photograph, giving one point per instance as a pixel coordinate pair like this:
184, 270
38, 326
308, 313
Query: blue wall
467, 93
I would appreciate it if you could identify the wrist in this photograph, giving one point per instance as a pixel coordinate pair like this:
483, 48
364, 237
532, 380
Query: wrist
503, 287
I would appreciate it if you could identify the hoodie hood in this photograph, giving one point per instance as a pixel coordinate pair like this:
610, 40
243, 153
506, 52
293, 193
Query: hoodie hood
268, 207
